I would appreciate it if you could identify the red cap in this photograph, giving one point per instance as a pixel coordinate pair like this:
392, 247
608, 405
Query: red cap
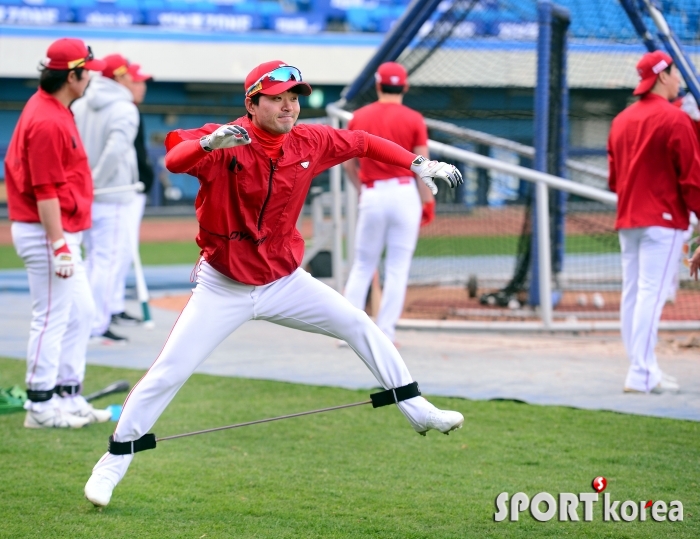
69, 53
137, 74
391, 74
649, 67
115, 65
270, 87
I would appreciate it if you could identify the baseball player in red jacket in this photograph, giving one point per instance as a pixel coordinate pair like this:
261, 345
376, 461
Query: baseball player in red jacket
49, 193
655, 170
390, 203
254, 176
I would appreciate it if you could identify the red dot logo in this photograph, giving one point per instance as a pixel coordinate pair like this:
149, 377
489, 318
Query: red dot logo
599, 483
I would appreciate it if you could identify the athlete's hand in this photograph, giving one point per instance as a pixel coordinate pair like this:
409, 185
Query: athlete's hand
428, 213
63, 263
694, 263
226, 136
690, 107
430, 170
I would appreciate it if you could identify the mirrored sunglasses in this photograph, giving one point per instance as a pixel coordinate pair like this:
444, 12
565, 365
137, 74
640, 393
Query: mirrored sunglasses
281, 74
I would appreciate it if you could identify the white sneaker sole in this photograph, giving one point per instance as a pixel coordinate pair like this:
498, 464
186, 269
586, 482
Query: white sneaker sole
447, 432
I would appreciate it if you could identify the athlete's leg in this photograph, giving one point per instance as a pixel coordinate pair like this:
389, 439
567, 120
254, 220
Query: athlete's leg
629, 248
103, 252
132, 222
369, 243
71, 368
401, 239
301, 302
51, 304
216, 308
658, 254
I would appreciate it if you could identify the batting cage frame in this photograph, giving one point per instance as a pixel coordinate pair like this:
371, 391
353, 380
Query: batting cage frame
543, 168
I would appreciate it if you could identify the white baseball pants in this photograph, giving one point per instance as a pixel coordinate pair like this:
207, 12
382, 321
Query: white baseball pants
132, 219
649, 263
389, 216
62, 312
104, 244
217, 307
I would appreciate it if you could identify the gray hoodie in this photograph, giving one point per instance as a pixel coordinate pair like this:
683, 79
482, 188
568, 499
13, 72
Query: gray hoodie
108, 121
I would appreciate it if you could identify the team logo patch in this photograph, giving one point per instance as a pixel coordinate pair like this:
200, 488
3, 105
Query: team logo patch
305, 164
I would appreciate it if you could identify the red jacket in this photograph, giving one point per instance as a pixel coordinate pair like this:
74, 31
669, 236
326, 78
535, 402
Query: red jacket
46, 152
654, 161
247, 211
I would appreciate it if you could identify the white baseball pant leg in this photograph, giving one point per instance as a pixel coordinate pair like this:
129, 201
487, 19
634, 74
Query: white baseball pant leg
132, 219
219, 306
389, 215
104, 243
649, 260
62, 312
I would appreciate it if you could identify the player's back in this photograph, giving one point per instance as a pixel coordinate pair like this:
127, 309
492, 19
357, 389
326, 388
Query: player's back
392, 121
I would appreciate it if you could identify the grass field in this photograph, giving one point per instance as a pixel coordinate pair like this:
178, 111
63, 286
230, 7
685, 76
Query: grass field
186, 252
356, 473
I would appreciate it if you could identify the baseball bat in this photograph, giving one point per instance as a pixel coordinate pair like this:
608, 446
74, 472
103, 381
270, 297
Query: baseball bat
375, 295
117, 387
141, 289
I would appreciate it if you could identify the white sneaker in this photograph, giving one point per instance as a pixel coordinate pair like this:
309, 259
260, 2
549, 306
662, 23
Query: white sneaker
55, 418
98, 490
664, 386
669, 378
78, 406
444, 421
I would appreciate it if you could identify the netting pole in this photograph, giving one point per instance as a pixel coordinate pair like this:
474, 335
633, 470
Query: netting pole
337, 216
540, 281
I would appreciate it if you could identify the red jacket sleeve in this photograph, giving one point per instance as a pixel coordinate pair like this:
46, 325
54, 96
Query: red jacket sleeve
686, 156
184, 152
381, 149
612, 175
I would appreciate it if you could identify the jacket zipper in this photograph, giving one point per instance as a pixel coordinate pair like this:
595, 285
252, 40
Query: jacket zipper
269, 192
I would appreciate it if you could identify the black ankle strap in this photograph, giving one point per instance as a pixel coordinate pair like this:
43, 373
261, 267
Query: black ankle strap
395, 395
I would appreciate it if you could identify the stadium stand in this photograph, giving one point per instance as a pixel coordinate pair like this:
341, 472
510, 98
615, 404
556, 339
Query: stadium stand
489, 18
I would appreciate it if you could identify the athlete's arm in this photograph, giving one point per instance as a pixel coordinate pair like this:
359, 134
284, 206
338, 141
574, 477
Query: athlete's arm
426, 196
352, 169
121, 136
50, 217
184, 156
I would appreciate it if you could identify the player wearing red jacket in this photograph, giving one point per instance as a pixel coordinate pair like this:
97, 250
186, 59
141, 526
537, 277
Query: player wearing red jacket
655, 170
390, 204
254, 176
49, 192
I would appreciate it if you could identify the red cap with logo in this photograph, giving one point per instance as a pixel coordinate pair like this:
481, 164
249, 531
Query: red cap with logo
137, 74
70, 53
649, 67
275, 77
391, 74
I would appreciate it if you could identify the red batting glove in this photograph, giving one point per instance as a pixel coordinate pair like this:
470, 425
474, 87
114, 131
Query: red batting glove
62, 259
428, 213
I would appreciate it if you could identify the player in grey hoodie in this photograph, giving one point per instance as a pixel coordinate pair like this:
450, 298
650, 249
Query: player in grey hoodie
108, 121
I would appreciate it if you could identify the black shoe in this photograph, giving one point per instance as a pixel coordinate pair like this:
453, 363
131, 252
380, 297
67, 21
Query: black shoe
125, 319
109, 338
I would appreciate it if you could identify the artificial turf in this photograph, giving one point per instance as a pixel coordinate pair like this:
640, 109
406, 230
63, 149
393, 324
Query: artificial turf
354, 473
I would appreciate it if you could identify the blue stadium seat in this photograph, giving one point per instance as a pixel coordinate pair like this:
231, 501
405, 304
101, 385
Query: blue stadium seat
298, 23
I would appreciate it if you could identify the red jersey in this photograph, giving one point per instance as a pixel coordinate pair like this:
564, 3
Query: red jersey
654, 160
46, 150
248, 205
392, 121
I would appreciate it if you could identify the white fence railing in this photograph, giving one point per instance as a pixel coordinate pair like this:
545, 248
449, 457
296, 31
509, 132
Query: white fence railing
542, 181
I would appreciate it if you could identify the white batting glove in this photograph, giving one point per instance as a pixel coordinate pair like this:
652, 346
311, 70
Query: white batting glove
690, 107
63, 263
226, 136
429, 170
